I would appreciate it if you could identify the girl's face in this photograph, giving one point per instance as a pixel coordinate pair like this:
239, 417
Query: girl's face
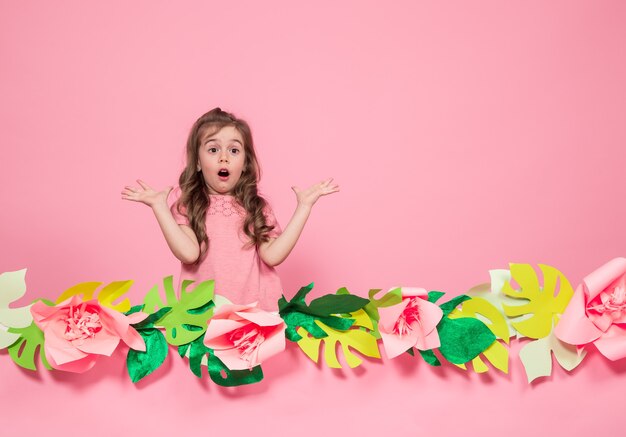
221, 157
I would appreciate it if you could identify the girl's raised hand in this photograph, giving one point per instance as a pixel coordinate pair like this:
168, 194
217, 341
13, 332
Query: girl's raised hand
309, 196
145, 194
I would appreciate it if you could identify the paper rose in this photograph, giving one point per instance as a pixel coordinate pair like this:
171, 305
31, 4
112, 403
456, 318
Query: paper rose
411, 323
77, 332
243, 336
597, 311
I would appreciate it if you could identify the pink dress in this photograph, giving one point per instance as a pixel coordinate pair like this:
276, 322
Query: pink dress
239, 273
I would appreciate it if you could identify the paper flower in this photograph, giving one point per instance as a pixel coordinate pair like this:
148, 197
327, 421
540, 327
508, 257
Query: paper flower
243, 336
597, 312
411, 323
77, 332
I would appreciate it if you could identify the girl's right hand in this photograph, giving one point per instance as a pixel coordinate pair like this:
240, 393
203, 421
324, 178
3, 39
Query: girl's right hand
146, 194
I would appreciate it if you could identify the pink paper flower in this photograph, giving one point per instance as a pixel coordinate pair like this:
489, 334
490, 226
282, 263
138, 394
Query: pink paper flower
411, 323
597, 311
77, 332
243, 336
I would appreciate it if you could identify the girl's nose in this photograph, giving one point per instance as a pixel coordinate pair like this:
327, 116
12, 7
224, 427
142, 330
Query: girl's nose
223, 157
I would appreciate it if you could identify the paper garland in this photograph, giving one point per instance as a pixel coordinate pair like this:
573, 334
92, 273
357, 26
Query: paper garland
471, 330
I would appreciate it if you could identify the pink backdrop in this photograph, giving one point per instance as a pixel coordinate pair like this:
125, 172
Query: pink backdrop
465, 135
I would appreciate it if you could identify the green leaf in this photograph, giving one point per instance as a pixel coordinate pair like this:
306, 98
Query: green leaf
434, 296
141, 364
222, 375
430, 357
336, 304
24, 350
449, 306
185, 312
199, 354
148, 322
134, 309
463, 339
296, 313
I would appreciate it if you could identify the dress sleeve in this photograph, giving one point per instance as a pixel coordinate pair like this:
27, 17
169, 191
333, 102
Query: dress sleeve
172, 200
270, 220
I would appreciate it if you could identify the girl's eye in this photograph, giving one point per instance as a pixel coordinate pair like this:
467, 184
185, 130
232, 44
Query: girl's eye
212, 150
234, 151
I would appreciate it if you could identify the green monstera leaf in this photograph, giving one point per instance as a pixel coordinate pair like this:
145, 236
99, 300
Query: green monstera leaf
187, 320
24, 351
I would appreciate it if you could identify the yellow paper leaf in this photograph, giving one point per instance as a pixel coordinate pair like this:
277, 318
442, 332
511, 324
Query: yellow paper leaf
497, 354
106, 296
84, 289
113, 291
544, 304
355, 338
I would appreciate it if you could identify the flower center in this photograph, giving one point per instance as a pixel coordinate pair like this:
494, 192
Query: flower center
409, 316
614, 302
81, 323
247, 340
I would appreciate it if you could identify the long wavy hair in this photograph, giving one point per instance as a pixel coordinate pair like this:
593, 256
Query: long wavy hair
195, 193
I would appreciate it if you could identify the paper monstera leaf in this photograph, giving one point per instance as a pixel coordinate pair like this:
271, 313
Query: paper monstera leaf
12, 287
542, 305
189, 313
361, 340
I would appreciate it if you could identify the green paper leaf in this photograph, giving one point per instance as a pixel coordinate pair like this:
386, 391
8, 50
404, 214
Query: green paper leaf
336, 304
134, 309
222, 375
293, 320
141, 364
218, 372
410, 351
296, 313
463, 339
430, 357
24, 350
434, 296
185, 312
449, 306
148, 322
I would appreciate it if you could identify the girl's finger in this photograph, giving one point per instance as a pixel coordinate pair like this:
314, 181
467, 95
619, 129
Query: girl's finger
143, 185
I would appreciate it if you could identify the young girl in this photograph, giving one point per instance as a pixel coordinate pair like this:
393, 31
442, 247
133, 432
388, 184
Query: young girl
219, 227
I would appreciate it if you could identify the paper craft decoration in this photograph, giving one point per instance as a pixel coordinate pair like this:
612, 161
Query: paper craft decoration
86, 323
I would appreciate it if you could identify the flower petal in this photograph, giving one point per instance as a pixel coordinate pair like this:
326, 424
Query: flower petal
390, 315
613, 343
396, 345
574, 327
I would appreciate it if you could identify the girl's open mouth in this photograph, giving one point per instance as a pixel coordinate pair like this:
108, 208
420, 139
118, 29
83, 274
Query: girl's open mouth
223, 174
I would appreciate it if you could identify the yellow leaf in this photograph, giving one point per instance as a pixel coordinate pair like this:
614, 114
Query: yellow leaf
84, 289
113, 291
497, 354
106, 296
355, 338
544, 305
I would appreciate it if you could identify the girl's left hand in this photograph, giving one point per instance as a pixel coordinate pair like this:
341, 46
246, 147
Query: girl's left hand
309, 196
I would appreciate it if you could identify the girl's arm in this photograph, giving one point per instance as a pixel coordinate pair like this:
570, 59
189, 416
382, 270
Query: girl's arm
275, 251
181, 239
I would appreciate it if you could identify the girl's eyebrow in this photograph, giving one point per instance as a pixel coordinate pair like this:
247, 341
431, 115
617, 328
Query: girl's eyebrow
234, 140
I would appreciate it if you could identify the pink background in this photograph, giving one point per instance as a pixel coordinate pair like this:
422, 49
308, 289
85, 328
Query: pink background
465, 135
